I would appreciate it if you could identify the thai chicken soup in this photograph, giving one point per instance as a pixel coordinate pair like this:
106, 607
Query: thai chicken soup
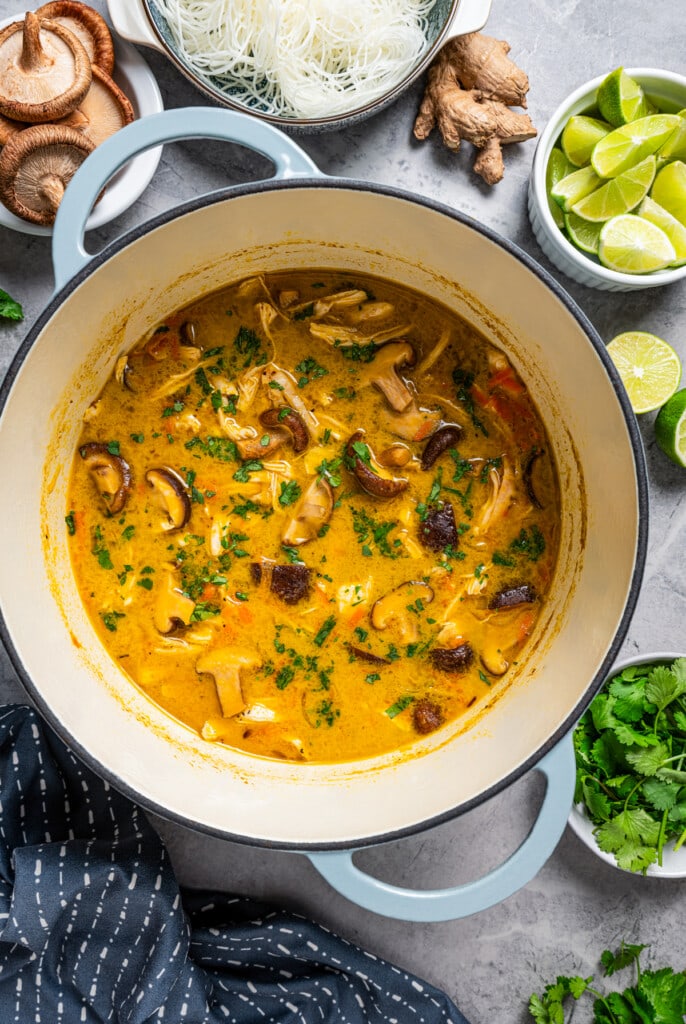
314, 518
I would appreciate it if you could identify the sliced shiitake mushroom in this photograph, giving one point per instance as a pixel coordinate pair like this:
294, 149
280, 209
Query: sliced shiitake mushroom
437, 530
111, 474
89, 27
528, 473
447, 436
45, 70
395, 456
172, 495
427, 716
399, 607
289, 420
289, 582
512, 597
312, 512
173, 609
225, 665
359, 654
382, 372
359, 458
123, 373
453, 659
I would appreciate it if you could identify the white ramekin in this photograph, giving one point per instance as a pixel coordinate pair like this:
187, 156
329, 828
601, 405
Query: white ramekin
666, 89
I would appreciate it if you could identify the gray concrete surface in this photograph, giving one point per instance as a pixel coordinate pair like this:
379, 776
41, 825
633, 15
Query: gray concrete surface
561, 921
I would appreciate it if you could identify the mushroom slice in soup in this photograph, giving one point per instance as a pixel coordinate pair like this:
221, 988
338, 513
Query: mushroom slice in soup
110, 473
171, 495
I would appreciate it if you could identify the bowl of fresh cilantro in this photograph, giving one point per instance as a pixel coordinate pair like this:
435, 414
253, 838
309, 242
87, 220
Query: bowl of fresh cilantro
630, 748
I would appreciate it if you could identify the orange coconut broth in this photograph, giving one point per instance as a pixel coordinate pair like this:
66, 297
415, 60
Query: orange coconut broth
314, 519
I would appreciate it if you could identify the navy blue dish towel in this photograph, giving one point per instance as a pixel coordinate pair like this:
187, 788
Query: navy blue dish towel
94, 928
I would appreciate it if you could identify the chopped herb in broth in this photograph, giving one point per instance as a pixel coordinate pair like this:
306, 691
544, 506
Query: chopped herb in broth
319, 529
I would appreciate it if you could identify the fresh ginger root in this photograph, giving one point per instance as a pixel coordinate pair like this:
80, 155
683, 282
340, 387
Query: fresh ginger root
471, 86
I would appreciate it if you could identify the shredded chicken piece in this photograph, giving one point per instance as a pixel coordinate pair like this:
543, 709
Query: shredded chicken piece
286, 393
369, 311
502, 493
433, 354
340, 336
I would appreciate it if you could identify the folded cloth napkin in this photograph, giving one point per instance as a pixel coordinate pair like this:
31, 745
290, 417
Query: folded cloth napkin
95, 928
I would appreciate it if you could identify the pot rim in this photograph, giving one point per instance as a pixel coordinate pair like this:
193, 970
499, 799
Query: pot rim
358, 185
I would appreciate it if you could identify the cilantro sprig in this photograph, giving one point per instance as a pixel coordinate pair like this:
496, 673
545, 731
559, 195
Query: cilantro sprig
630, 750
656, 997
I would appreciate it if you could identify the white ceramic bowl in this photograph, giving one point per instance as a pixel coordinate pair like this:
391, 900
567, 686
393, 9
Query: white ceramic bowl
673, 863
136, 80
668, 91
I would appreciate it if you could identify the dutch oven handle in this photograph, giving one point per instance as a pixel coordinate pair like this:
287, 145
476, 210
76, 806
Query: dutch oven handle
68, 252
460, 901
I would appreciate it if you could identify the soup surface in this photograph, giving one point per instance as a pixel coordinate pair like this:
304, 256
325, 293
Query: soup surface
314, 518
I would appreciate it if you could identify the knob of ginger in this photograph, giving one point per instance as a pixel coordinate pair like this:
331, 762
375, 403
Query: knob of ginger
470, 88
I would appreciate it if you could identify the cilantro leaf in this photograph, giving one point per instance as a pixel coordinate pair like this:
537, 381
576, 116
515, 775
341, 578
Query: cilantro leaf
626, 955
9, 307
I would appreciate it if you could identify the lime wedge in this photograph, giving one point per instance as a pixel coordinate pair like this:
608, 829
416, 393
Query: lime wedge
558, 167
669, 189
675, 146
670, 428
620, 99
626, 146
649, 368
633, 245
674, 229
583, 233
619, 195
575, 186
580, 136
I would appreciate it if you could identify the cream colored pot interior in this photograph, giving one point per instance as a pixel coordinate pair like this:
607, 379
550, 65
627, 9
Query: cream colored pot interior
137, 745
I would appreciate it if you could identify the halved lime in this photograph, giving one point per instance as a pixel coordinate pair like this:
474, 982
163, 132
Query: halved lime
626, 146
632, 245
580, 135
670, 428
558, 167
675, 146
649, 367
620, 99
674, 229
575, 186
619, 195
669, 189
583, 233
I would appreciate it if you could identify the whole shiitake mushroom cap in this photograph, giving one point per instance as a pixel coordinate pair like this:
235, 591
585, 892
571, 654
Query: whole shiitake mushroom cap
103, 111
89, 27
36, 165
44, 71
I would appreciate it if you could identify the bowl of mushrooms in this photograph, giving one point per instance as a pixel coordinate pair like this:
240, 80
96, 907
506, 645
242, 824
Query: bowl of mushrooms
65, 86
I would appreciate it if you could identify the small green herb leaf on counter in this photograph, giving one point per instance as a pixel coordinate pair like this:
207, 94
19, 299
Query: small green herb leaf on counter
9, 307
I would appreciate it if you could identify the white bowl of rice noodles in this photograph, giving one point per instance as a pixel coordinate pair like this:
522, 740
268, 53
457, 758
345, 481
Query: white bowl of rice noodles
304, 65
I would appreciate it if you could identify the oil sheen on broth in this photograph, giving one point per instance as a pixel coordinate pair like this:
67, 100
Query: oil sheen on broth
314, 518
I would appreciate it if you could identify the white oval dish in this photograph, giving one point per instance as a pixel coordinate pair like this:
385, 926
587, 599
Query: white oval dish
673, 862
136, 80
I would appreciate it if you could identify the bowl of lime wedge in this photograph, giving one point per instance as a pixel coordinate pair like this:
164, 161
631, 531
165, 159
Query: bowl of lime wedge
607, 192
630, 749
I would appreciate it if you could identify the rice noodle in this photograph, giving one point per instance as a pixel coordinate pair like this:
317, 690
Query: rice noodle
300, 58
